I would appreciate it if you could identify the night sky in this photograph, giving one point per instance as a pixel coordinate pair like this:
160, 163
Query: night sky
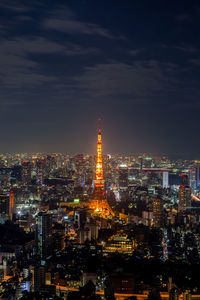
134, 63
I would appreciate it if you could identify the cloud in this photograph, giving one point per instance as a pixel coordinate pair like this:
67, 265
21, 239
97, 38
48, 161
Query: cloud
183, 48
15, 6
195, 61
66, 21
22, 46
6, 104
19, 72
22, 6
184, 18
40, 45
19, 63
135, 52
17, 68
74, 26
24, 18
140, 81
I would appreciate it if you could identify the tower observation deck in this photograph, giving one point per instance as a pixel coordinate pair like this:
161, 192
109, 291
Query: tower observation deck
99, 204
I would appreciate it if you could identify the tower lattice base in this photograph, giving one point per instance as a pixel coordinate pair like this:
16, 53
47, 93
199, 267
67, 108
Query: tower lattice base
100, 205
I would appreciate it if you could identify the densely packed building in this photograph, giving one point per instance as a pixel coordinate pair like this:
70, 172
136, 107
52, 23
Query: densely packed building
71, 221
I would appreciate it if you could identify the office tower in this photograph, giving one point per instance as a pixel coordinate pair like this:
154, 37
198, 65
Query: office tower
140, 162
38, 277
174, 294
5, 176
184, 180
94, 229
80, 218
5, 180
79, 162
16, 174
11, 204
99, 204
26, 172
40, 169
192, 179
187, 295
147, 162
123, 177
4, 208
44, 234
84, 235
184, 194
197, 174
80, 174
165, 180
50, 164
158, 212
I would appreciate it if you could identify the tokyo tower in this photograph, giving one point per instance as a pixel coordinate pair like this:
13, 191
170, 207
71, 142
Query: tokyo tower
99, 204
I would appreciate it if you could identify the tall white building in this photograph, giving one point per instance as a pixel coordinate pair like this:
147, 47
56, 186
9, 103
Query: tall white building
165, 180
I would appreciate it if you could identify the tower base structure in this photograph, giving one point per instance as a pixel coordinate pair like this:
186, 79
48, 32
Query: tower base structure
100, 205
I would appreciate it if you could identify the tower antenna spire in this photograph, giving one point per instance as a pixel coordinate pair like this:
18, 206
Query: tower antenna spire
99, 124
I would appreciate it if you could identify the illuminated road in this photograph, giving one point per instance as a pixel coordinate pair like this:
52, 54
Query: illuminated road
195, 198
125, 296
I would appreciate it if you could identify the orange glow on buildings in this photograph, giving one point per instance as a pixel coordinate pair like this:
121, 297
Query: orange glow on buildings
11, 205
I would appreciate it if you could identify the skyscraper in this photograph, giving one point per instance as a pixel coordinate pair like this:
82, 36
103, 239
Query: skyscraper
26, 172
165, 180
184, 194
44, 234
40, 169
4, 208
197, 174
123, 177
157, 212
192, 179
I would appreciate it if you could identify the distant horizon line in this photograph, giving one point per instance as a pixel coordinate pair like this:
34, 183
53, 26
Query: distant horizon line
185, 156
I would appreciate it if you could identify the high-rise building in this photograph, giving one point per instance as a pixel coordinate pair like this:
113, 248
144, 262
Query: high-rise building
174, 294
5, 176
197, 174
192, 179
40, 170
184, 194
123, 177
44, 234
38, 277
50, 164
26, 172
184, 180
4, 208
16, 175
158, 212
165, 180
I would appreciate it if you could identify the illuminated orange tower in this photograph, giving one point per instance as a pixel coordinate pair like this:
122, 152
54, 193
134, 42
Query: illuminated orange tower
99, 182
99, 203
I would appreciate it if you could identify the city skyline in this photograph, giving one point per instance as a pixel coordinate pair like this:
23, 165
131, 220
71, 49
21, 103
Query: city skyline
63, 66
